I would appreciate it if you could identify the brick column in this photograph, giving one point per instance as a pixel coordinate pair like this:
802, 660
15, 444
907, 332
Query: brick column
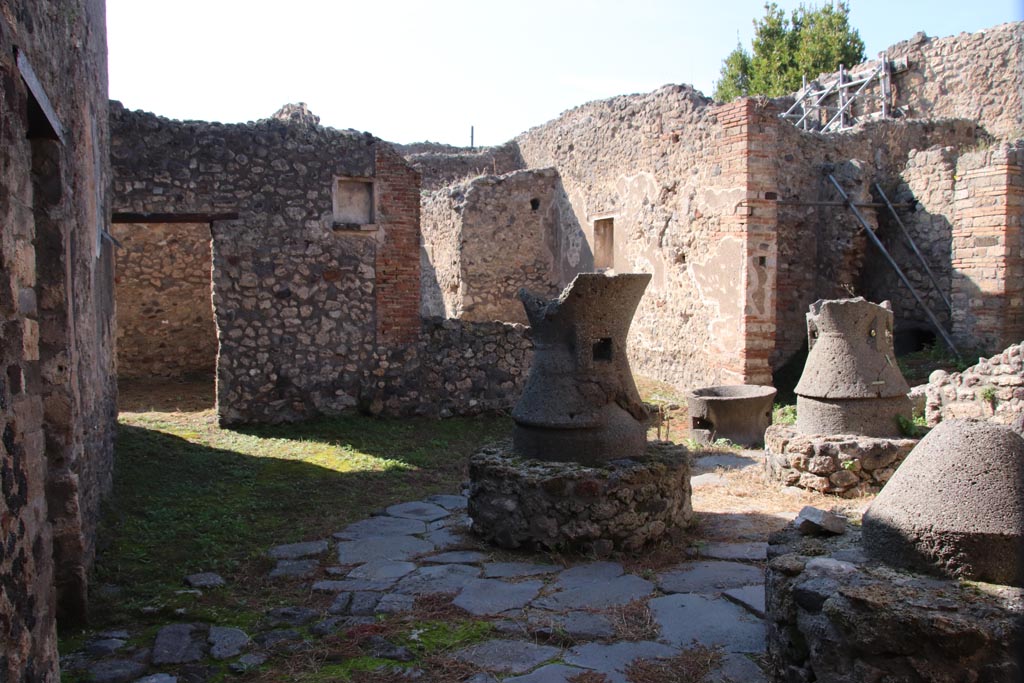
398, 258
988, 270
746, 149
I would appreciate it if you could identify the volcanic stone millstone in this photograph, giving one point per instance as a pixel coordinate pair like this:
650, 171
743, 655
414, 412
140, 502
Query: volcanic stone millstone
955, 506
580, 402
851, 383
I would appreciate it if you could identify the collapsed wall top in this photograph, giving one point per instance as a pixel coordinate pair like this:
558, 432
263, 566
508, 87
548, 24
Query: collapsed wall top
580, 402
851, 383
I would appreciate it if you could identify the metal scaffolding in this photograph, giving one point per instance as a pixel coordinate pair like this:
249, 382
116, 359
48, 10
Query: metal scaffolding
842, 101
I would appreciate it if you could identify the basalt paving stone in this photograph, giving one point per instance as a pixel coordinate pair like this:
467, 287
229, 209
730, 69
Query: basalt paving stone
439, 578
364, 603
382, 526
449, 502
382, 548
737, 668
507, 656
612, 659
596, 594
392, 603
578, 625
586, 574
446, 539
708, 577
512, 570
751, 597
457, 557
341, 602
116, 670
382, 570
421, 510
226, 642
204, 580
750, 551
549, 673
297, 551
340, 585
727, 461
708, 479
177, 644
294, 569
491, 596
291, 616
710, 621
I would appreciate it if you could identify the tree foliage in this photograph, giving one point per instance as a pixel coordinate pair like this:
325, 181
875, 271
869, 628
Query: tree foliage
809, 41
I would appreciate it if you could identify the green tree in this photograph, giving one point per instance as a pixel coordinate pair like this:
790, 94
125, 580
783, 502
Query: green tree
808, 41
735, 81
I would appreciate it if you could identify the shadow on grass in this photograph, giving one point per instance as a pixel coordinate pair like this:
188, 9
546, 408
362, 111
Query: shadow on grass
186, 505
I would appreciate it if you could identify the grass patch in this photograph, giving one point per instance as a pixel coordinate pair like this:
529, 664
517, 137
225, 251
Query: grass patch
190, 496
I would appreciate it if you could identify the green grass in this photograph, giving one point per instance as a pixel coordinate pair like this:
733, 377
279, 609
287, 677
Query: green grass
190, 496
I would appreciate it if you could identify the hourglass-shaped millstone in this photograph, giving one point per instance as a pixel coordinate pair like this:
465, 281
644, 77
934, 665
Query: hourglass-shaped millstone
580, 402
851, 383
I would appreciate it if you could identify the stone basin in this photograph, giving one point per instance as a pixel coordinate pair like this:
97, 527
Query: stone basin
737, 412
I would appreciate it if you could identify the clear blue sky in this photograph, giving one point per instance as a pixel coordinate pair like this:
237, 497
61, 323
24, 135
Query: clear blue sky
409, 70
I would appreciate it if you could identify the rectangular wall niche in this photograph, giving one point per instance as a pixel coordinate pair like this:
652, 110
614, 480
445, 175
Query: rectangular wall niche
353, 204
604, 243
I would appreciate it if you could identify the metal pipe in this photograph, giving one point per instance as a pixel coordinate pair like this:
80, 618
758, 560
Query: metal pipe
863, 205
913, 245
895, 266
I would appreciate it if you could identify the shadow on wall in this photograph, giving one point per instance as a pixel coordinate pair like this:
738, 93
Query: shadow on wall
431, 298
933, 235
572, 253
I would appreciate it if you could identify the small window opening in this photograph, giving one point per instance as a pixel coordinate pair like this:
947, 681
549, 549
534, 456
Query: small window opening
762, 260
534, 204
604, 244
603, 349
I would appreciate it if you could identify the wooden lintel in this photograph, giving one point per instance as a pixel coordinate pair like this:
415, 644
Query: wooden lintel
121, 217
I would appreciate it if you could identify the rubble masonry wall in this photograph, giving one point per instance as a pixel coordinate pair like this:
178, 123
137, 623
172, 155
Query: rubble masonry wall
162, 279
57, 393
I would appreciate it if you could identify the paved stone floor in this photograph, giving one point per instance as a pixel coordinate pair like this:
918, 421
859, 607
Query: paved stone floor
380, 565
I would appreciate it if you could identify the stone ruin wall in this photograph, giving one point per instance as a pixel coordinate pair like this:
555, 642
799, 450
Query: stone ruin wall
991, 390
823, 252
312, 318
163, 286
671, 170
486, 238
970, 76
57, 394
442, 165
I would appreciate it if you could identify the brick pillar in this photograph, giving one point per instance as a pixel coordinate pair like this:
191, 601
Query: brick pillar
987, 263
746, 148
398, 258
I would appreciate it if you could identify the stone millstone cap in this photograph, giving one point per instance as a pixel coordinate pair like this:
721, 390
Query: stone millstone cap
851, 351
955, 506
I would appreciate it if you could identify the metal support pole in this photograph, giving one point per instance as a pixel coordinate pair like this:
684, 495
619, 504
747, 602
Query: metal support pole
913, 245
885, 252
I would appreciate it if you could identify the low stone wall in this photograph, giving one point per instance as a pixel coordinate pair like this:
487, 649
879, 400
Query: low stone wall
457, 368
623, 505
847, 465
991, 390
834, 617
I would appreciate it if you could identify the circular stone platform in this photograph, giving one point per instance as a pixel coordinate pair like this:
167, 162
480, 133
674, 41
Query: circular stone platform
847, 465
621, 505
